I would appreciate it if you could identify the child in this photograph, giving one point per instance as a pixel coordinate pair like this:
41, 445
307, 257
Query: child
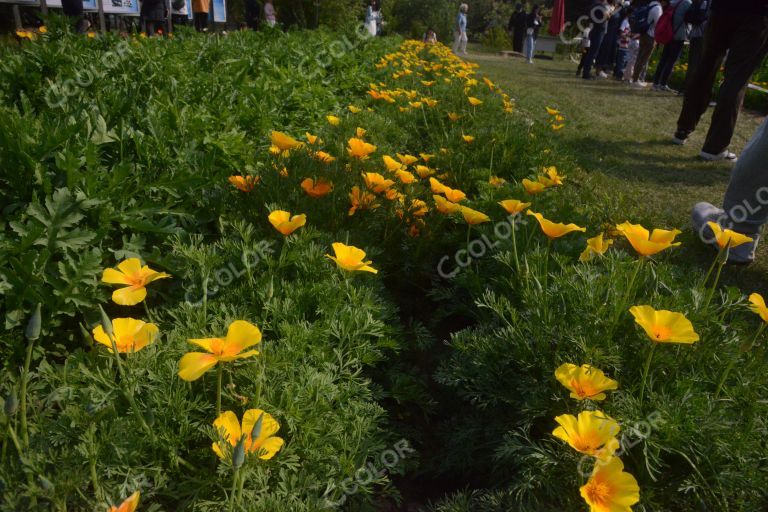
430, 37
585, 44
633, 51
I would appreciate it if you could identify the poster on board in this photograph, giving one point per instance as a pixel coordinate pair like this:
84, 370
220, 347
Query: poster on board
124, 7
88, 5
219, 11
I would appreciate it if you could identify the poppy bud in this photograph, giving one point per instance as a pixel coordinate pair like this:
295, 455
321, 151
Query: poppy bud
46, 484
11, 404
106, 323
87, 338
33, 327
256, 430
238, 455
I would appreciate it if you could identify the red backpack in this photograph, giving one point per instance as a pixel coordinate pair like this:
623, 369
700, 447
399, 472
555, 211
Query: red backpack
664, 33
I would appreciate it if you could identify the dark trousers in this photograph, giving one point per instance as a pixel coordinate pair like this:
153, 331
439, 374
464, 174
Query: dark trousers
596, 37
667, 63
745, 39
643, 56
695, 49
201, 20
252, 14
622, 57
518, 37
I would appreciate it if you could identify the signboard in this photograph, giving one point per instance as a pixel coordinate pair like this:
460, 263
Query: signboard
125, 7
21, 2
88, 5
219, 11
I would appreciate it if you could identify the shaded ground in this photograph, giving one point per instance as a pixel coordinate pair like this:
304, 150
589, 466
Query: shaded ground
621, 137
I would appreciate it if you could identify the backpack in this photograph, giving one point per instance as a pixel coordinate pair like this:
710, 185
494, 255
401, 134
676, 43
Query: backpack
695, 15
664, 33
178, 5
638, 21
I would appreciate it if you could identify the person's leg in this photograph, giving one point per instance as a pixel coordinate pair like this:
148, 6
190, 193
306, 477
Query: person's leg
456, 41
583, 60
463, 45
697, 95
528, 47
643, 56
675, 49
596, 40
665, 55
745, 205
630, 69
694, 58
621, 63
747, 51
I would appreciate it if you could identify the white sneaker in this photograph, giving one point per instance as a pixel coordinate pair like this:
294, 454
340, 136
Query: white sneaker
726, 156
602, 74
530, 61
639, 85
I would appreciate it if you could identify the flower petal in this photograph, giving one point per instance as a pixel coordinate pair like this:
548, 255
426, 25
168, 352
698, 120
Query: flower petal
129, 296
193, 365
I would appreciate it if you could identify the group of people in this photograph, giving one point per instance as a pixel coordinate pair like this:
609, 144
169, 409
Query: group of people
524, 29
373, 17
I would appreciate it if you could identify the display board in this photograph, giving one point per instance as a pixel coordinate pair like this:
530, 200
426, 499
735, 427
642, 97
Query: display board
124, 7
219, 11
21, 2
88, 5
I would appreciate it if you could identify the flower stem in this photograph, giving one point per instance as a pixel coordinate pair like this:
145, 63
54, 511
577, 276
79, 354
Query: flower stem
233, 492
621, 305
645, 372
219, 375
514, 245
23, 404
127, 391
722, 257
146, 310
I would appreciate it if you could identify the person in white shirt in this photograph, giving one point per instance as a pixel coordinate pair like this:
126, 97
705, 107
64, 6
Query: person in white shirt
460, 39
270, 15
647, 41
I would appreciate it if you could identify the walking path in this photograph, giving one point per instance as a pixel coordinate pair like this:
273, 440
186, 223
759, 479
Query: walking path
621, 137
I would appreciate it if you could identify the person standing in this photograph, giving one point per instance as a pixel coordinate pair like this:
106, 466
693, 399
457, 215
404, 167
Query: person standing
599, 15
200, 10
460, 40
585, 44
532, 27
740, 28
516, 28
370, 18
674, 48
651, 15
606, 56
270, 14
696, 17
624, 40
154, 13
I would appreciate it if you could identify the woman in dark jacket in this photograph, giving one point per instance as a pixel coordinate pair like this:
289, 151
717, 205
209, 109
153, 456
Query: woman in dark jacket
517, 27
154, 13
532, 27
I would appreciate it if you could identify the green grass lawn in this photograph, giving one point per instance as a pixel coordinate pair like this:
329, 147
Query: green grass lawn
621, 138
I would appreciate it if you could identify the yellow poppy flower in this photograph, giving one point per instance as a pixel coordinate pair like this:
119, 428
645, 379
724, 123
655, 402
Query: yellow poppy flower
317, 188
359, 149
453, 116
130, 335
407, 159
240, 336
592, 433
312, 139
333, 120
430, 102
130, 272
610, 489
424, 172
758, 306
469, 139
129, 505
354, 109
415, 104
514, 206
445, 206
596, 246
244, 183
376, 182
405, 177
284, 223
727, 237
645, 243
473, 217
496, 181
664, 326
361, 200
553, 229
474, 101
584, 381
557, 127
91, 35
265, 446
391, 164
324, 157
350, 258
284, 142
42, 29
426, 156
533, 187
552, 111
551, 177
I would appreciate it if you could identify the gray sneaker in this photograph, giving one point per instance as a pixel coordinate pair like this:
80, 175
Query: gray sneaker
702, 213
